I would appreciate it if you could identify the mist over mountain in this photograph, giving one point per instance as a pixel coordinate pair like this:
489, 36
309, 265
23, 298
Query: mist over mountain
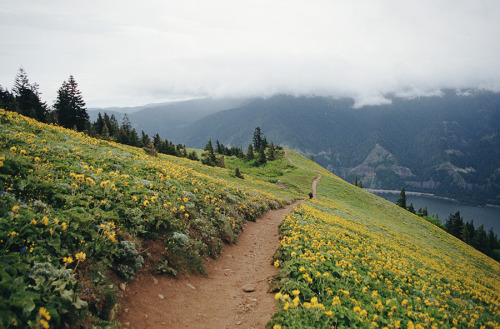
168, 119
448, 145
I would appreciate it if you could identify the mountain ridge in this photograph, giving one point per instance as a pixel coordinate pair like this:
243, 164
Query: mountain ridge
422, 134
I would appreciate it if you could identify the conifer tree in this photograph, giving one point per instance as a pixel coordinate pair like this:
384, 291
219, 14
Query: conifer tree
402, 199
99, 124
271, 152
133, 138
105, 133
411, 208
257, 139
27, 97
7, 100
250, 156
261, 159
150, 149
70, 107
454, 225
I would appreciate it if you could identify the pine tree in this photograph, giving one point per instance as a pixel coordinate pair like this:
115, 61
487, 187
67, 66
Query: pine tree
99, 124
210, 150
468, 232
237, 173
27, 97
144, 139
257, 139
7, 100
271, 152
105, 133
454, 225
150, 149
356, 180
70, 107
480, 240
402, 199
261, 159
411, 208
250, 156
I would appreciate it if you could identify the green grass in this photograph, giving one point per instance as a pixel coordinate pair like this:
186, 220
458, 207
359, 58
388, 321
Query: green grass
78, 215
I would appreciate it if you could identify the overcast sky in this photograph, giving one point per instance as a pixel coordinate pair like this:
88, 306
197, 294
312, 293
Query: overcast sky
128, 53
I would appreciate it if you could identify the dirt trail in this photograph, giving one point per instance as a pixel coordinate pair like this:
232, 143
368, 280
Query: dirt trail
314, 184
217, 300
290, 160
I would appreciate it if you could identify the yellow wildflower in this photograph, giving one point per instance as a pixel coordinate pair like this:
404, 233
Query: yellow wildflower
43, 312
68, 260
44, 324
80, 256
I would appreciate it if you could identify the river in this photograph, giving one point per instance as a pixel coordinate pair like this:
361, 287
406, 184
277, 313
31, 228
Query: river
489, 216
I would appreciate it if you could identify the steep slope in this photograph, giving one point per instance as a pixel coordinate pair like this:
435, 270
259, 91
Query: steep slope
80, 216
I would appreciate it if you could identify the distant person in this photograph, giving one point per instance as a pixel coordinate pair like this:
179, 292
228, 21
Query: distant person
310, 195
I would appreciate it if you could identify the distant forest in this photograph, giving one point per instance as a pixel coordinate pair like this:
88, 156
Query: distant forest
487, 243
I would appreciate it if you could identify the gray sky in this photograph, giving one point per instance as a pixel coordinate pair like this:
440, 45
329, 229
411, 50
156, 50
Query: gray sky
128, 53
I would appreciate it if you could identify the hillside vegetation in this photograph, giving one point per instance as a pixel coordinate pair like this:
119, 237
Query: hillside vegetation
447, 145
79, 215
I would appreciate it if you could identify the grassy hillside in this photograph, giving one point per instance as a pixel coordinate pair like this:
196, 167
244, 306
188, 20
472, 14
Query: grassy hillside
77, 214
80, 215
354, 260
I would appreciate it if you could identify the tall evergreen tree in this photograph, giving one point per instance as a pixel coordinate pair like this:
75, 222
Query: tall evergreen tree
411, 208
480, 240
271, 152
468, 232
402, 199
454, 225
70, 107
261, 158
250, 156
27, 97
99, 124
7, 100
257, 139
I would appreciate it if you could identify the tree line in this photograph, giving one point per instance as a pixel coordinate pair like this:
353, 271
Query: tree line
25, 98
69, 111
258, 152
478, 238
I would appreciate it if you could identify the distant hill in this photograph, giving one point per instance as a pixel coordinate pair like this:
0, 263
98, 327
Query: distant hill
168, 119
448, 145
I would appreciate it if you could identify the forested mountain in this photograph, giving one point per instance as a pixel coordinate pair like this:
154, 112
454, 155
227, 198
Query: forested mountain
448, 145
168, 119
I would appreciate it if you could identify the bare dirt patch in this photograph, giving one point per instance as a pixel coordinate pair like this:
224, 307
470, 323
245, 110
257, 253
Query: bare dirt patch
232, 295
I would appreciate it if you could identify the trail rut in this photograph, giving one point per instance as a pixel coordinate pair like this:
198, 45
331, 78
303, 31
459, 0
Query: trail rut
217, 300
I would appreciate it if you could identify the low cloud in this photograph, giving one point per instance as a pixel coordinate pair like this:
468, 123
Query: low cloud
130, 53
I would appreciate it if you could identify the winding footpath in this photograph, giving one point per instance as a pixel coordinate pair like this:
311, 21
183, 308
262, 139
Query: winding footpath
218, 300
314, 184
232, 295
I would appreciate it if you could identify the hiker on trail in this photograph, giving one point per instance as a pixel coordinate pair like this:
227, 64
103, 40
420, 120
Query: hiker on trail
310, 195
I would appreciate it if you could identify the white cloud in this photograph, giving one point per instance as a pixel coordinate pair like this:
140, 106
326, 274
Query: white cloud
130, 52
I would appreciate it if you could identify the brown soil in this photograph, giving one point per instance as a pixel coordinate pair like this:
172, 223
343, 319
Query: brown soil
314, 184
217, 300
